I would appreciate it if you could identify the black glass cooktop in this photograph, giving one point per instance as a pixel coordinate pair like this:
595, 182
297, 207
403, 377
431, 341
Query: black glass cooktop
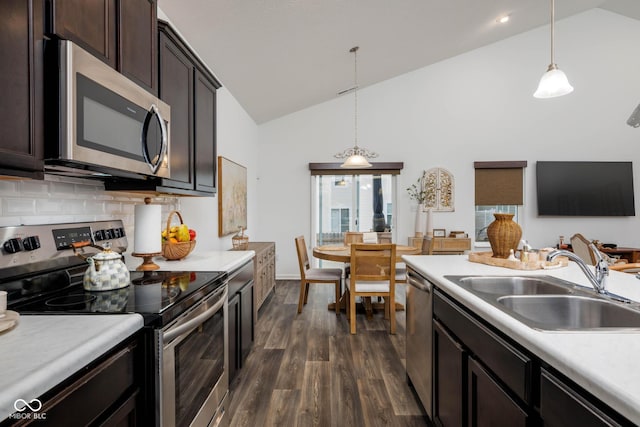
156, 295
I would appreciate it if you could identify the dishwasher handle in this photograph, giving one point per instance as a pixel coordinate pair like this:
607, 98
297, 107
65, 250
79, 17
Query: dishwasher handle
419, 282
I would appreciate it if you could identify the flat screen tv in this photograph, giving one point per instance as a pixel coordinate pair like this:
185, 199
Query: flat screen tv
585, 188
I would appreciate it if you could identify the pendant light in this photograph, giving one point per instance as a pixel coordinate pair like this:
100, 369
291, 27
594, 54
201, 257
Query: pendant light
554, 82
356, 157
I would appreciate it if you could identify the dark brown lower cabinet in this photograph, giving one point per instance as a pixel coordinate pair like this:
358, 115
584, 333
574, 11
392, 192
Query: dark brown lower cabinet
489, 404
484, 378
450, 377
560, 406
104, 393
234, 334
246, 321
241, 325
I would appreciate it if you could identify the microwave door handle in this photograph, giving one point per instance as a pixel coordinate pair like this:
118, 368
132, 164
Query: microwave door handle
154, 112
171, 334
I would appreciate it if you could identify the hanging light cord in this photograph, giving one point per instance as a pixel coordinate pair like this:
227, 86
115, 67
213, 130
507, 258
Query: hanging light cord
553, 20
355, 150
355, 93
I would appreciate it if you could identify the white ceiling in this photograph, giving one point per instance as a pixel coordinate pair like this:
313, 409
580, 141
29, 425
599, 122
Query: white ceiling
280, 56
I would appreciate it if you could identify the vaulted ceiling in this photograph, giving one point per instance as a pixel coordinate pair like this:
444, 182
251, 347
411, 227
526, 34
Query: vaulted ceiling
280, 56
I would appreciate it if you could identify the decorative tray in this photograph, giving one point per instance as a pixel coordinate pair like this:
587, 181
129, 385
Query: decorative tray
486, 258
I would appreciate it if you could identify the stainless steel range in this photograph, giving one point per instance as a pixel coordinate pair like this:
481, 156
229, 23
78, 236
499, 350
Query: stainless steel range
185, 313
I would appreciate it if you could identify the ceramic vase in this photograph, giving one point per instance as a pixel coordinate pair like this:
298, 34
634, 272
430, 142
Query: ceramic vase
429, 223
420, 222
504, 234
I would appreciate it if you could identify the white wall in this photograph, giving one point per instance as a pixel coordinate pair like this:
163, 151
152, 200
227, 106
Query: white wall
474, 107
237, 141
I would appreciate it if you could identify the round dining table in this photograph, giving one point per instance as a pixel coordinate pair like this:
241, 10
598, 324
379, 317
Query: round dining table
342, 253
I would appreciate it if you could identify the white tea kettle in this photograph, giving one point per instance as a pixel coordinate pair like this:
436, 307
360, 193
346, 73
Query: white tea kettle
106, 270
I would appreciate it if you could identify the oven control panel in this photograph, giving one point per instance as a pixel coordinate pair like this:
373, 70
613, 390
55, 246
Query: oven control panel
26, 244
64, 237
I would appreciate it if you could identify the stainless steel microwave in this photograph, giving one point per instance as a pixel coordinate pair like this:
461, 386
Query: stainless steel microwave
106, 124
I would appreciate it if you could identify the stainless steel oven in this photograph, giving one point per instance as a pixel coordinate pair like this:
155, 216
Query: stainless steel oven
194, 364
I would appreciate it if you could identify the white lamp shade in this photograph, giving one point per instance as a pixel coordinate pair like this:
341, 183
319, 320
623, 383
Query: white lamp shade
356, 161
553, 83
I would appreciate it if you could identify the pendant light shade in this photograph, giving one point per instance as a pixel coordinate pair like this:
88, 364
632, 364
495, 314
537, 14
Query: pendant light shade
356, 161
554, 82
356, 157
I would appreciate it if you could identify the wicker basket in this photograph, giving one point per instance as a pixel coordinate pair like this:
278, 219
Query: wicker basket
179, 250
240, 241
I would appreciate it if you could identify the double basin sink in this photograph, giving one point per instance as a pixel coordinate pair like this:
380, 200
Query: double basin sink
551, 304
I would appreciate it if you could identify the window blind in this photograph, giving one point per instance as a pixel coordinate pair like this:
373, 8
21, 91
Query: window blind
499, 183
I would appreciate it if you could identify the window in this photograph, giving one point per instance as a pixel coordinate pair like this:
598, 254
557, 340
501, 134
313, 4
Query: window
340, 220
498, 188
351, 200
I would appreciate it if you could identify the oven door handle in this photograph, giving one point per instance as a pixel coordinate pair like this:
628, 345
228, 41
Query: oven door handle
171, 334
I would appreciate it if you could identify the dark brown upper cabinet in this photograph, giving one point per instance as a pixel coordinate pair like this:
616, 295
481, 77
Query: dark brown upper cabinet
205, 132
122, 33
190, 89
176, 89
137, 42
89, 23
21, 86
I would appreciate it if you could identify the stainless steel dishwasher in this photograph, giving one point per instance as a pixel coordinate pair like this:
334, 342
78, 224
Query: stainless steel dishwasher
420, 337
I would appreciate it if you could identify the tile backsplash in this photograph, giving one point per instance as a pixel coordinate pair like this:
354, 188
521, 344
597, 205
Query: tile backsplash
57, 200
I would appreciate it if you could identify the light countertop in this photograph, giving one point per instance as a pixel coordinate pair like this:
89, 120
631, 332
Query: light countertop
40, 352
603, 363
199, 261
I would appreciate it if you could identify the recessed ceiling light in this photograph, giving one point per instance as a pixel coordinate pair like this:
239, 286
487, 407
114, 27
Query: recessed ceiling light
503, 19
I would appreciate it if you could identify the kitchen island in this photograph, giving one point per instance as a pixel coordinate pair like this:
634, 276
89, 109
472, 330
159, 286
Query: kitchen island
602, 363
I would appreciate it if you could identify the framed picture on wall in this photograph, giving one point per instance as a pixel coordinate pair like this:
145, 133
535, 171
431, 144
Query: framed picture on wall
232, 196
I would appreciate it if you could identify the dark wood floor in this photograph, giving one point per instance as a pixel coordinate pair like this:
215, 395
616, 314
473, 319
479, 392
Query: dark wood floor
307, 370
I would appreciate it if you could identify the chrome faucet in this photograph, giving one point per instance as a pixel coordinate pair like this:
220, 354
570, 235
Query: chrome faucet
598, 281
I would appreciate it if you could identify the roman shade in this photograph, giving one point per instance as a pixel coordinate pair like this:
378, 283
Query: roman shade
499, 183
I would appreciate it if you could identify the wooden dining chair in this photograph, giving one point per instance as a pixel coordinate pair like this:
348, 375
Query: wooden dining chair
352, 237
580, 246
315, 275
373, 274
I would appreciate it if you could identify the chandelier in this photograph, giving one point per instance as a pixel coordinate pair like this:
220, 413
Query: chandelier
356, 157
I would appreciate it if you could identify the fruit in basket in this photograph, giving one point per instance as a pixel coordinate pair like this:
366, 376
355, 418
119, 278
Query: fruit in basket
182, 233
178, 233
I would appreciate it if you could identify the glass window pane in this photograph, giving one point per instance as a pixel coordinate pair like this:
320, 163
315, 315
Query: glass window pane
484, 217
348, 203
